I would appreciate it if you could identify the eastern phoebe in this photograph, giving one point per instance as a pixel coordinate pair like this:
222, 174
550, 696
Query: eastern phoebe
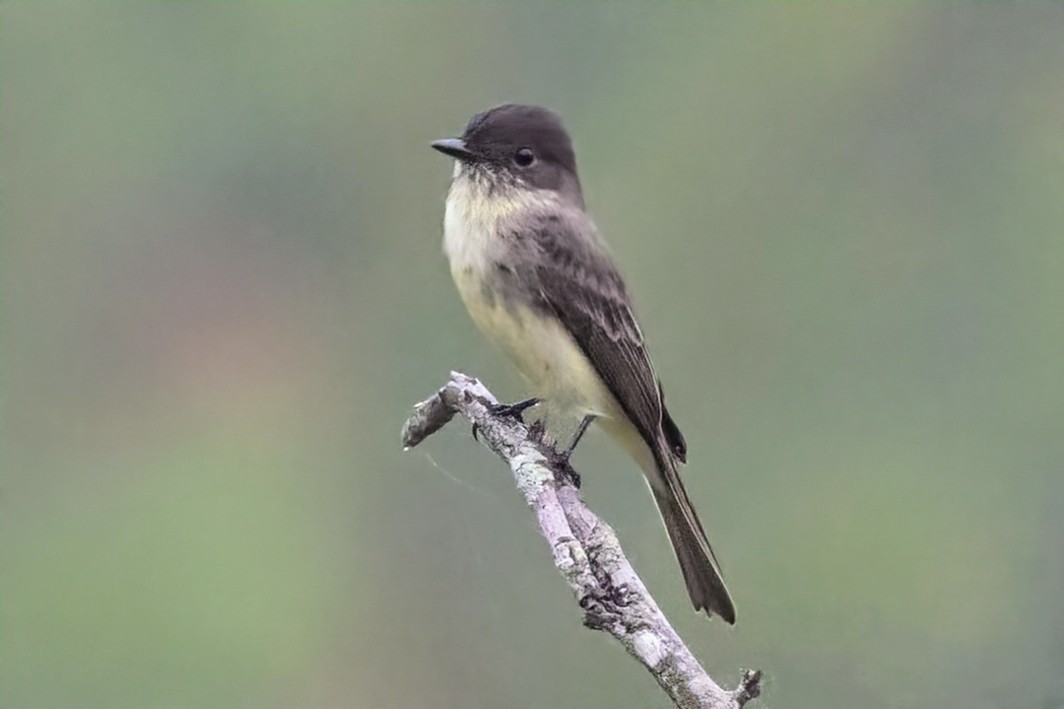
538, 279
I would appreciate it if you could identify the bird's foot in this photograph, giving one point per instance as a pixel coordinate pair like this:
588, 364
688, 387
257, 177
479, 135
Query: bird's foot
514, 411
559, 462
560, 458
537, 431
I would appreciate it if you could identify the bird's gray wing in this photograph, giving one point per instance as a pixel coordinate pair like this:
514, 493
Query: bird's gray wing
573, 278
578, 282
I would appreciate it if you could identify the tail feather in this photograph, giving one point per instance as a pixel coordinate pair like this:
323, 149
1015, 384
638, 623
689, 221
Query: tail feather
701, 572
660, 463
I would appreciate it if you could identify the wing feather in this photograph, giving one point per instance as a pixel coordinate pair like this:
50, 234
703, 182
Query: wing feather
578, 281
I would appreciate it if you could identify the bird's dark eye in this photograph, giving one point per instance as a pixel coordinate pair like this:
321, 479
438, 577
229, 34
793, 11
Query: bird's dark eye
524, 157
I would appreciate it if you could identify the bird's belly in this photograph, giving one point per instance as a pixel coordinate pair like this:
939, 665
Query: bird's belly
544, 353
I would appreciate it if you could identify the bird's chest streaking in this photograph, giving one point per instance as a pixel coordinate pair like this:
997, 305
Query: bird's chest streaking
495, 276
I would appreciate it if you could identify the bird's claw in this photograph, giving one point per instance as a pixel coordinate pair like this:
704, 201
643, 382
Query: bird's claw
559, 461
514, 411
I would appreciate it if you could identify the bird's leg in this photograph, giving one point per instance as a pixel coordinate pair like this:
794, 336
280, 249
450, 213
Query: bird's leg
560, 459
510, 411
580, 431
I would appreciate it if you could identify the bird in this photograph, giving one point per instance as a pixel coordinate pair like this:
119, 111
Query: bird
539, 280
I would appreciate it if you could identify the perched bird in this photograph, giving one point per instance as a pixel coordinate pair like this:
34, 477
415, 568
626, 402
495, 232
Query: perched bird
538, 280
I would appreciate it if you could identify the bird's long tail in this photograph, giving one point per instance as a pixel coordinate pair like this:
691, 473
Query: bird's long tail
701, 572
661, 466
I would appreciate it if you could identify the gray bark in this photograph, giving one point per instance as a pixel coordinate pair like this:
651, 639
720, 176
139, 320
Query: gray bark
585, 549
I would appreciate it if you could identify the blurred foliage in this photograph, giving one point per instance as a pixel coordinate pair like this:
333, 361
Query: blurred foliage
223, 288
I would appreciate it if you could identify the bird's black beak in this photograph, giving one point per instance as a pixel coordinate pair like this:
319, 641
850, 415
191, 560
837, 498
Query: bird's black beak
455, 147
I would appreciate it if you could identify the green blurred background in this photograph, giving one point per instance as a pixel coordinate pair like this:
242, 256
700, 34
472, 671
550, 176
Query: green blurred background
223, 289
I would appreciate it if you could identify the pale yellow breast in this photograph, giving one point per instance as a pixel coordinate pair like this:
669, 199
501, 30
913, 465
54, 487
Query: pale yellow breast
545, 354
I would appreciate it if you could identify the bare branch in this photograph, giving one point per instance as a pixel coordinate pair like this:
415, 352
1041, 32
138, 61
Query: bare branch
585, 549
